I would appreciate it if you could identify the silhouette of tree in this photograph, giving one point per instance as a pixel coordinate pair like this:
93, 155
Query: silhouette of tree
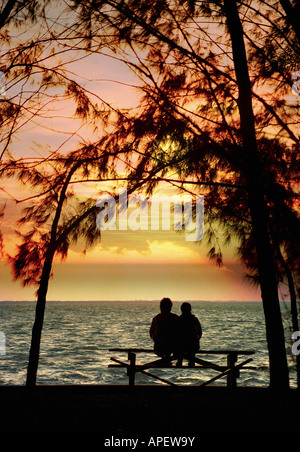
58, 217
292, 12
50, 227
34, 61
257, 204
37, 50
276, 56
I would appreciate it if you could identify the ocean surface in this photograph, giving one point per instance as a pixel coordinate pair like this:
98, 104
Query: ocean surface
77, 337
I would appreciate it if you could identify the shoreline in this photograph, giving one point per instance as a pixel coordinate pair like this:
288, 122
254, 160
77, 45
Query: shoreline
147, 410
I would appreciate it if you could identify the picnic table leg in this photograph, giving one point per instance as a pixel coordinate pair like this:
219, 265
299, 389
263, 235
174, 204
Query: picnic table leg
131, 368
231, 377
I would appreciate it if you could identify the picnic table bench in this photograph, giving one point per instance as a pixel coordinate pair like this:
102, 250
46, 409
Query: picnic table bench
230, 369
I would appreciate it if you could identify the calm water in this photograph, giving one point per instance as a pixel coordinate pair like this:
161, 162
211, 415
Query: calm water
77, 336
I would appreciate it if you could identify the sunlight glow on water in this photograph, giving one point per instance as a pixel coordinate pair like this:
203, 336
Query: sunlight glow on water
76, 338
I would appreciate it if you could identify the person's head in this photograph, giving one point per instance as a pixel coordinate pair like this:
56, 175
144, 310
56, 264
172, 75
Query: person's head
166, 305
186, 308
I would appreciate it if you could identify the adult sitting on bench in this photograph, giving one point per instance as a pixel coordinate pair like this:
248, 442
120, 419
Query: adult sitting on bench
164, 331
190, 333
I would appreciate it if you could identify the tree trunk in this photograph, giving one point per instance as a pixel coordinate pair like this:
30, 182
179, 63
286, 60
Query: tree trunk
43, 287
279, 377
293, 16
6, 12
38, 322
294, 314
294, 309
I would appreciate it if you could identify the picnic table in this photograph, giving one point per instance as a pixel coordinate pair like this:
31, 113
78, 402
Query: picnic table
230, 368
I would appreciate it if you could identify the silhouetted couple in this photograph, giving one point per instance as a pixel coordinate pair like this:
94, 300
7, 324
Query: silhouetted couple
176, 335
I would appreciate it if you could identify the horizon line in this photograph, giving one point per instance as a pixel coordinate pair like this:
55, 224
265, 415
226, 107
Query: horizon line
135, 301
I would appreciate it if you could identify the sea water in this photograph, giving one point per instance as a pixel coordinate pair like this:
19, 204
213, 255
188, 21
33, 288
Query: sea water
77, 336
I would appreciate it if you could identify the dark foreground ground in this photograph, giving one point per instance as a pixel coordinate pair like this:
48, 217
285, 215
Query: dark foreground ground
147, 410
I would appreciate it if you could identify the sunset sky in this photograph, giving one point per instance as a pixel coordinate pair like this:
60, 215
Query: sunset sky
128, 265
167, 268
137, 265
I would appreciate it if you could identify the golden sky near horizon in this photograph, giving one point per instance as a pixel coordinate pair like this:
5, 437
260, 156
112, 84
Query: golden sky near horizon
137, 265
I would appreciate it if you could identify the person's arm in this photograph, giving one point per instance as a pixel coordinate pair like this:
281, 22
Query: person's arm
152, 329
199, 329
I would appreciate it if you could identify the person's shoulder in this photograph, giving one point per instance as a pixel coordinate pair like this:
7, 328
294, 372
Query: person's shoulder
156, 317
196, 320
